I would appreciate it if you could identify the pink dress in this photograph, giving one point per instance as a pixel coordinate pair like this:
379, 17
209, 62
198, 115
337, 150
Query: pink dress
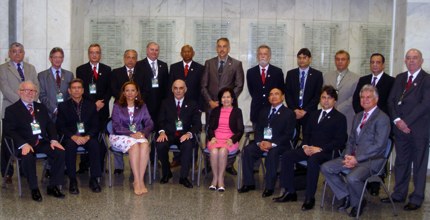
223, 132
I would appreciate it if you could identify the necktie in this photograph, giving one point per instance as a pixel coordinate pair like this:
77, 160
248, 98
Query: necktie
21, 74
324, 113
302, 87
154, 72
30, 109
130, 75
221, 66
339, 78
95, 73
186, 70
364, 120
272, 113
58, 78
178, 108
263, 76
374, 81
409, 83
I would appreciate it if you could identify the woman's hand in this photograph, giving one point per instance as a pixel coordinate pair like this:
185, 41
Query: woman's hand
229, 142
213, 141
138, 135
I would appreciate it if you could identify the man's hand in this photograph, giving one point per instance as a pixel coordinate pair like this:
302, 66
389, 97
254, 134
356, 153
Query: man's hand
311, 150
350, 161
162, 137
55, 144
300, 113
401, 125
100, 104
80, 140
213, 104
265, 146
185, 137
26, 149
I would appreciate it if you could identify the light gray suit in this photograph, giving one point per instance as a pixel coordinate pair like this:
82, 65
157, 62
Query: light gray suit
369, 146
49, 90
346, 90
10, 80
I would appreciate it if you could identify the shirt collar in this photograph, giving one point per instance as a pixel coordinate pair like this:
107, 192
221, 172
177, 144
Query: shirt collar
180, 101
277, 107
266, 67
189, 64
327, 110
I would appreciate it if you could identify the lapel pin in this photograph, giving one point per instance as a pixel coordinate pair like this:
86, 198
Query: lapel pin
268, 76
328, 117
186, 106
279, 113
191, 69
415, 84
37, 110
100, 74
229, 64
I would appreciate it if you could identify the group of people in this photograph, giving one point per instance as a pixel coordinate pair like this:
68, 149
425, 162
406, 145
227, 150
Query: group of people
353, 115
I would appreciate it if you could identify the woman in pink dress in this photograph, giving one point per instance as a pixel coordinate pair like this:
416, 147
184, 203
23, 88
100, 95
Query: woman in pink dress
224, 132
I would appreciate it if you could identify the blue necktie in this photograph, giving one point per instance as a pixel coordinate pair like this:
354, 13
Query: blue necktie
21, 74
302, 87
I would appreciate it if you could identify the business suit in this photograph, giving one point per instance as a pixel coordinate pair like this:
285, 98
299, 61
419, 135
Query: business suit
235, 122
282, 124
384, 87
329, 135
49, 89
119, 76
17, 126
412, 147
369, 147
67, 120
190, 117
346, 90
121, 120
259, 92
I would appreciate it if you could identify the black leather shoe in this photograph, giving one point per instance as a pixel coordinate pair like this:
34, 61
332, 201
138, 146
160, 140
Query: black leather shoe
94, 185
35, 195
47, 173
8, 179
54, 191
185, 182
267, 193
118, 171
387, 200
286, 197
246, 188
82, 170
374, 188
73, 187
308, 204
346, 202
165, 179
354, 210
231, 171
411, 207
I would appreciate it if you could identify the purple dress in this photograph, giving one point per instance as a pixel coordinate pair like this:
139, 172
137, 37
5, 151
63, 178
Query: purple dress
223, 132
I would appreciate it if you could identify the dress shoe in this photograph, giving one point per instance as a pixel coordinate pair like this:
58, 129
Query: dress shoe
54, 191
82, 170
221, 189
73, 187
118, 171
185, 182
286, 197
374, 188
231, 171
35, 195
354, 210
212, 187
8, 179
308, 204
175, 163
47, 173
387, 200
267, 193
346, 202
94, 185
165, 179
411, 207
246, 188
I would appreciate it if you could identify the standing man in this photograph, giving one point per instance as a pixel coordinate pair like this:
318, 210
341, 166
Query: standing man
12, 73
261, 79
345, 82
409, 106
302, 89
54, 83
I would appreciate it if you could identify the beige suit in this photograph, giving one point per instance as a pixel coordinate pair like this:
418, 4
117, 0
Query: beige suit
346, 90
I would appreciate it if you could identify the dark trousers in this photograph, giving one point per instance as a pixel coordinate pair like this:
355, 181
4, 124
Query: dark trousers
93, 148
55, 159
289, 158
186, 149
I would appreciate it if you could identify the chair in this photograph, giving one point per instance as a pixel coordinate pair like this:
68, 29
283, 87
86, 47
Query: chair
111, 151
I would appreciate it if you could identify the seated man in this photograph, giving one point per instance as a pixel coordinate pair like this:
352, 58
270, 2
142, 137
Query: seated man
274, 131
364, 153
178, 120
325, 132
78, 121
28, 124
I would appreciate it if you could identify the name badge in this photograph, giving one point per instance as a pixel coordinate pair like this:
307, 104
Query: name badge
155, 83
132, 128
60, 97
35, 127
93, 88
267, 133
81, 128
179, 126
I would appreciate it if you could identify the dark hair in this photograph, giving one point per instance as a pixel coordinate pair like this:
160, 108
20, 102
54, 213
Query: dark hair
76, 80
138, 102
304, 51
55, 50
232, 94
377, 54
280, 89
330, 90
223, 39
342, 52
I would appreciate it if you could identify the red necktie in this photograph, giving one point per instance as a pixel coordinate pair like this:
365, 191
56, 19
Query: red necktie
364, 120
95, 73
186, 70
263, 76
409, 83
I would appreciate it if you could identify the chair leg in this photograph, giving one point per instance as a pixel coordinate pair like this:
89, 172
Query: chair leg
193, 165
149, 173
155, 162
7, 168
361, 199
239, 171
19, 178
199, 171
389, 196
110, 168
323, 194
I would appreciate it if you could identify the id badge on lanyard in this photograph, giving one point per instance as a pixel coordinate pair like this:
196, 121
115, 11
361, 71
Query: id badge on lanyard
60, 97
179, 126
93, 88
132, 127
155, 83
35, 127
81, 128
267, 133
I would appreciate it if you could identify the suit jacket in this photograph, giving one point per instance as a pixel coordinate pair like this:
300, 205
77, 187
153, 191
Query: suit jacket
49, 90
195, 72
235, 123
371, 142
345, 92
17, 124
68, 118
232, 77
384, 87
311, 97
330, 134
121, 120
283, 125
10, 80
103, 87
119, 76
259, 92
415, 105
190, 116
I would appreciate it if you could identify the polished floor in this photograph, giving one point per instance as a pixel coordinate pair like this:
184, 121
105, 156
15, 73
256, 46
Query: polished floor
173, 201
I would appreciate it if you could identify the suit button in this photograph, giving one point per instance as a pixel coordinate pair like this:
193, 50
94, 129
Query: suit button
264, 95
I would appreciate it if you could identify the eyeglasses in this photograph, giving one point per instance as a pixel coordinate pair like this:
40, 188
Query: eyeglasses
28, 90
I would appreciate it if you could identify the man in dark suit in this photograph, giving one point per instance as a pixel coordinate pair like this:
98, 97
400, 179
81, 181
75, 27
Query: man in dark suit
409, 104
364, 152
324, 133
261, 79
302, 89
274, 131
178, 127
97, 88
29, 125
78, 122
